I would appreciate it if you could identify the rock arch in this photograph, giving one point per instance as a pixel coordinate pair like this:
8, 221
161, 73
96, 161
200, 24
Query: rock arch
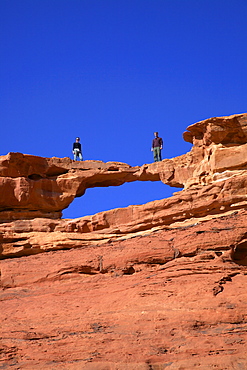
212, 172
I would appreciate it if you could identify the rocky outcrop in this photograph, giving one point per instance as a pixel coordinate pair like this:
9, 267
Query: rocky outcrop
32, 186
155, 286
213, 175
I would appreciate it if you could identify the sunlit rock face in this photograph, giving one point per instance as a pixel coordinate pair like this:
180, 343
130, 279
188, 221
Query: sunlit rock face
155, 286
32, 186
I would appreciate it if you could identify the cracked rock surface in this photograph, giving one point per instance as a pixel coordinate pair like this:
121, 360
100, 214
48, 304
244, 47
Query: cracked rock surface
157, 286
171, 299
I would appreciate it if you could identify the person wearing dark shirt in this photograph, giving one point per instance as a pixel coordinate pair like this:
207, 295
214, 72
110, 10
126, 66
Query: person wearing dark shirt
77, 149
157, 146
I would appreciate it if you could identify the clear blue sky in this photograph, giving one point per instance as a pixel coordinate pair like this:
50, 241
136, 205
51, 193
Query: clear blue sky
113, 72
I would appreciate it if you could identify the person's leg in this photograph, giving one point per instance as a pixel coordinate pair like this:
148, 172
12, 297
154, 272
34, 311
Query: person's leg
74, 155
80, 156
155, 154
159, 154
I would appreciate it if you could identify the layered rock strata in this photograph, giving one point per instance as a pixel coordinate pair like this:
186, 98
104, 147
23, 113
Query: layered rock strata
42, 187
213, 175
157, 286
170, 299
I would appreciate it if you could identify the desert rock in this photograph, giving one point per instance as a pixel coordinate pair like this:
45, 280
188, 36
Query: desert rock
156, 286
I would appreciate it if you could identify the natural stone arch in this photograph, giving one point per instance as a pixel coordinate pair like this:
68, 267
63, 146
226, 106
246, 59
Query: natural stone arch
32, 186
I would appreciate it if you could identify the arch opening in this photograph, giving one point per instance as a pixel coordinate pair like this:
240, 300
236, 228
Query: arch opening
103, 199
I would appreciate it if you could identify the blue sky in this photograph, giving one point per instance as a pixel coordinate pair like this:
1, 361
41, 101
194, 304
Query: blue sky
113, 72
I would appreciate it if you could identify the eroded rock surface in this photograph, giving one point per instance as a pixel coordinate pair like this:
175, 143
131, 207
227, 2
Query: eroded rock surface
157, 286
171, 299
32, 186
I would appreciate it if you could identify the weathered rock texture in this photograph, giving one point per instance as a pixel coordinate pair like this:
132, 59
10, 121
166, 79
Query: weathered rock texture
157, 286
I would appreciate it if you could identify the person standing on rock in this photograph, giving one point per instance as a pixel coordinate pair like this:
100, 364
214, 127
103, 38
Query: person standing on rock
157, 146
77, 149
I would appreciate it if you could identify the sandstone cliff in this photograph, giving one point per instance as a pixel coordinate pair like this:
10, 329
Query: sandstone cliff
156, 286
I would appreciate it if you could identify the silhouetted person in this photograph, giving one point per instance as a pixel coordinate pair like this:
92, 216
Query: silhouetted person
77, 149
157, 146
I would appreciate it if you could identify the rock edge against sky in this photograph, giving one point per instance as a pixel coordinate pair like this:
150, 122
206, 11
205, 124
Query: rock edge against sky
156, 286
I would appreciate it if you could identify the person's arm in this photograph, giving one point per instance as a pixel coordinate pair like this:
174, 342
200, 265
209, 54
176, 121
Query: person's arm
161, 143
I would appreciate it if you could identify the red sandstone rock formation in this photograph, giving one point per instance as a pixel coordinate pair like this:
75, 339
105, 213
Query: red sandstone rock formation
157, 286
